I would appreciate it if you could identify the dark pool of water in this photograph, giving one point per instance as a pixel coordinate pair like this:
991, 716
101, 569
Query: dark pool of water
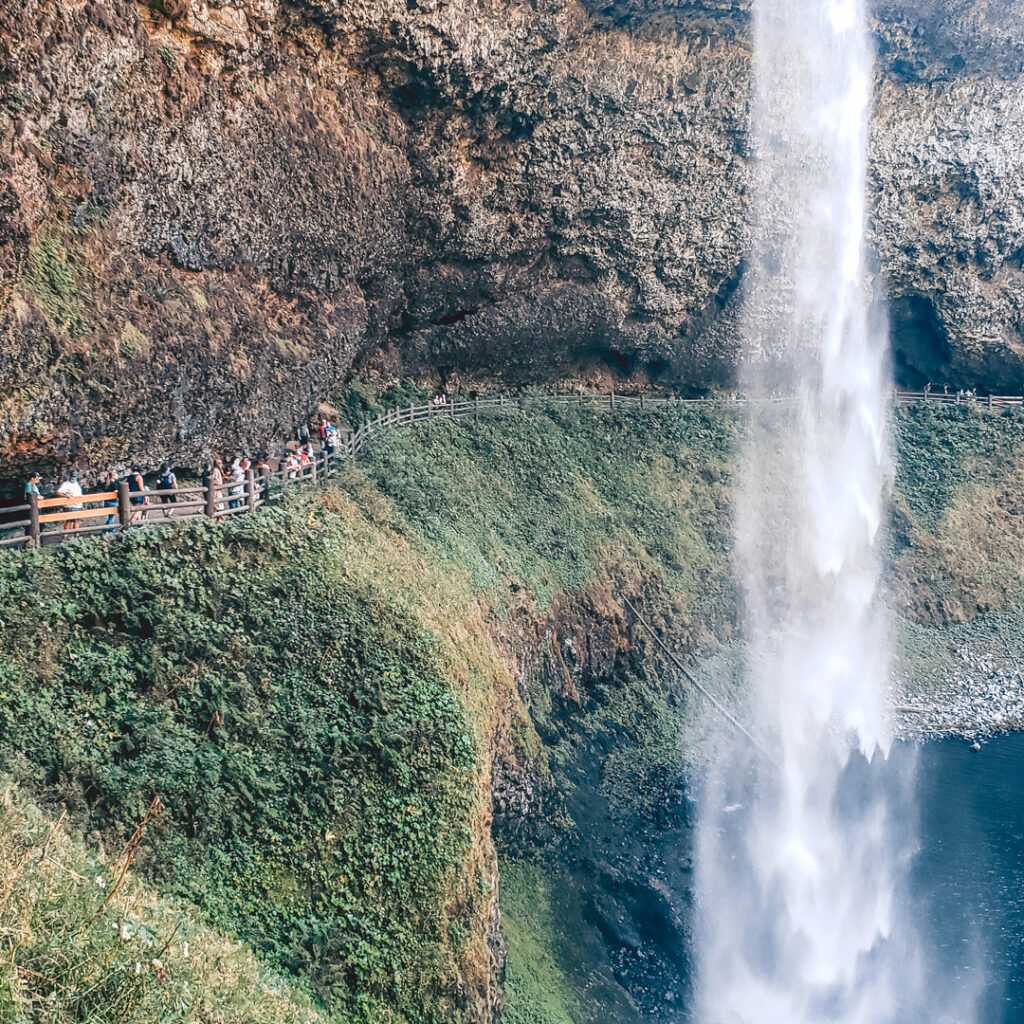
969, 874
965, 908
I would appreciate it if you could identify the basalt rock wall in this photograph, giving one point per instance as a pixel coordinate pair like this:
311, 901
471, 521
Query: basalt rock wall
211, 210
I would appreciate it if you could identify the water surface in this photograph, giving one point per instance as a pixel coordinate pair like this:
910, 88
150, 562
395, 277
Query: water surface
969, 874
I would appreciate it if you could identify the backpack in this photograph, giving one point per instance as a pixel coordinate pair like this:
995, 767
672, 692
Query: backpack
166, 481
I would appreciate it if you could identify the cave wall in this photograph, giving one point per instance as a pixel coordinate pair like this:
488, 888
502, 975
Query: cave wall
211, 211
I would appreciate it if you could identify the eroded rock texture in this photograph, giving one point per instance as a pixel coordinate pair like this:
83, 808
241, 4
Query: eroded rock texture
209, 210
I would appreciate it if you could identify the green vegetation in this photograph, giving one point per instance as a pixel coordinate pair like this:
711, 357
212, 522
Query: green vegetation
78, 947
958, 533
312, 690
309, 690
556, 502
536, 988
316, 763
56, 277
360, 402
942, 448
642, 706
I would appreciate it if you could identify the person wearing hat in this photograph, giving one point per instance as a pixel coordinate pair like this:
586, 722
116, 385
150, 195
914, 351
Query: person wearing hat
70, 490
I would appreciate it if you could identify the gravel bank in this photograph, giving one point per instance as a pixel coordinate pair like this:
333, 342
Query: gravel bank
981, 696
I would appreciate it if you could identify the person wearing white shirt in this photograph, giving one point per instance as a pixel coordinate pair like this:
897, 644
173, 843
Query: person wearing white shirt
71, 489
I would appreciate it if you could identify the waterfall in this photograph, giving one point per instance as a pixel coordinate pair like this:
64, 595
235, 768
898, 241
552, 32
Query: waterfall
803, 860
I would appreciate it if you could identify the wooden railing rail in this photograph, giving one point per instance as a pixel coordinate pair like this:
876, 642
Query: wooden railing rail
125, 509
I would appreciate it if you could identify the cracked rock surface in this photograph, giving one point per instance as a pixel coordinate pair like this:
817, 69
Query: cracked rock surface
211, 210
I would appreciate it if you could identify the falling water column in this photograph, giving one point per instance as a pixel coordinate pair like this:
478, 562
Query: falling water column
800, 861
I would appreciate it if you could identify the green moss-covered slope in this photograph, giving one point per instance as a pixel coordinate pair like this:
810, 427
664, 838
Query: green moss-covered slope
536, 987
310, 690
316, 751
316, 692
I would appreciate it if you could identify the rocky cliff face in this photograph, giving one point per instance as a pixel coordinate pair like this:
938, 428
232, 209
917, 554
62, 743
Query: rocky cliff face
210, 210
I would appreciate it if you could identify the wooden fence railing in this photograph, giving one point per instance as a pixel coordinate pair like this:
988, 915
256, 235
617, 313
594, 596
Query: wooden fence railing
53, 520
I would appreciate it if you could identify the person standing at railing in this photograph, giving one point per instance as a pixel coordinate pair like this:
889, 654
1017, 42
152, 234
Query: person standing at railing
137, 487
330, 440
32, 488
110, 484
167, 481
70, 490
237, 478
32, 497
215, 481
239, 471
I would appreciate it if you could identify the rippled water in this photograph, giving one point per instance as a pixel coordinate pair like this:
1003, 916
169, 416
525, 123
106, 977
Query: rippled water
968, 877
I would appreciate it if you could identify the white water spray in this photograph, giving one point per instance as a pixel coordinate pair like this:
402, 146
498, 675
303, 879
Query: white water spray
801, 864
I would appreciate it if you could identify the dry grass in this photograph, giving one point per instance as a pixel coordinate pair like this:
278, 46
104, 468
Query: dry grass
74, 950
973, 561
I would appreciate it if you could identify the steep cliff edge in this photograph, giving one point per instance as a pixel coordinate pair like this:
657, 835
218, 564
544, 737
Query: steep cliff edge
209, 211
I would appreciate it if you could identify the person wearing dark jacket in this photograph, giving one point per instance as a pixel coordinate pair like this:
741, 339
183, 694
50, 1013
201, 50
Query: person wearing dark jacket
167, 481
109, 487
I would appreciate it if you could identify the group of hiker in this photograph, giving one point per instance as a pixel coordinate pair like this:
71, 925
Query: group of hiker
229, 483
962, 394
70, 489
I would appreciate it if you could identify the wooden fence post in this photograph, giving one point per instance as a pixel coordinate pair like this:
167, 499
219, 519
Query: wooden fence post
641, 401
312, 469
250, 487
990, 401
211, 500
476, 408
611, 400
124, 506
33, 515
266, 482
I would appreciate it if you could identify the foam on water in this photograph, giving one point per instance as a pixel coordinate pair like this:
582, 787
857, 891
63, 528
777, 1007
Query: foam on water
800, 889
